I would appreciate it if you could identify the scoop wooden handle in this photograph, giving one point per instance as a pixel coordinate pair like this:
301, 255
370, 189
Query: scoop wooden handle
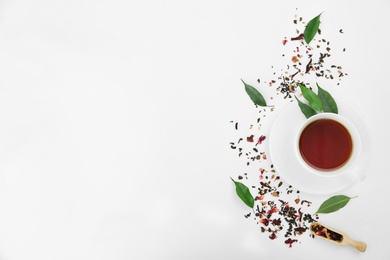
361, 246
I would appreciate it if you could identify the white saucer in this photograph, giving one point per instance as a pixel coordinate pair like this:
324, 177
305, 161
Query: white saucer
285, 161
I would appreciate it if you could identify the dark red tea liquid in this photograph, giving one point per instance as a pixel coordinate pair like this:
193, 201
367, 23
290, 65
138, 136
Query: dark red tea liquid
325, 144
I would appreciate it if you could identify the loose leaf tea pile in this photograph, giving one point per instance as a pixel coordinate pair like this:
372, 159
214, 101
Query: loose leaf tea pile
279, 209
276, 207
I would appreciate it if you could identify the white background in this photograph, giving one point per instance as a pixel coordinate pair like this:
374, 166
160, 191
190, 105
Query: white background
114, 126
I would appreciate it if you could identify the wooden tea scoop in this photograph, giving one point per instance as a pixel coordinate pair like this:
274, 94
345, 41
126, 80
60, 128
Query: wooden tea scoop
336, 236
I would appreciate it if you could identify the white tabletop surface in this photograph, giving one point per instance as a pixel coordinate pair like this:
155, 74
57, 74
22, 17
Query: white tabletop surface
114, 133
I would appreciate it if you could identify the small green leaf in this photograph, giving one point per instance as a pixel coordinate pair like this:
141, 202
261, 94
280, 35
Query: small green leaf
314, 100
244, 194
255, 95
329, 105
333, 204
306, 110
311, 29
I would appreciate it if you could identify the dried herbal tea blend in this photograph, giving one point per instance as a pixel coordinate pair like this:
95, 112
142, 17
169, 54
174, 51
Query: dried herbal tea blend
322, 231
279, 210
305, 60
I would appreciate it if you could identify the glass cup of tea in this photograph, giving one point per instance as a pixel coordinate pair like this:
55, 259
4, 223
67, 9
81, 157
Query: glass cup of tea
329, 145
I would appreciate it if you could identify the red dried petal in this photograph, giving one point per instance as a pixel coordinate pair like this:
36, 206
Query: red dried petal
261, 197
299, 37
300, 215
299, 230
272, 210
290, 242
277, 222
250, 139
272, 236
261, 139
264, 221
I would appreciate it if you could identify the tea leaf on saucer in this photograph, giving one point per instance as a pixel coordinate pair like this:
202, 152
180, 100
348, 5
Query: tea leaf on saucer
333, 204
244, 193
314, 101
311, 29
329, 105
255, 95
306, 109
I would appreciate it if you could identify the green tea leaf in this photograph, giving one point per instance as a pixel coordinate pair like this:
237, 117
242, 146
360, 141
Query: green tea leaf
244, 194
255, 95
329, 105
311, 29
306, 110
314, 101
333, 204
